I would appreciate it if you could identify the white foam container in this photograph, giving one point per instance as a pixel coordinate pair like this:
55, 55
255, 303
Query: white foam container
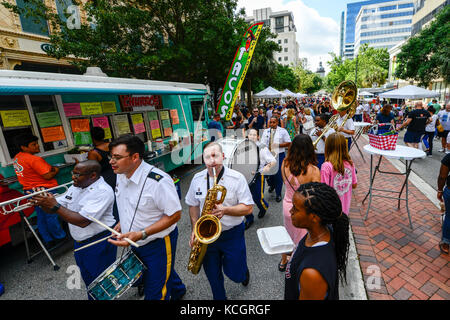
275, 240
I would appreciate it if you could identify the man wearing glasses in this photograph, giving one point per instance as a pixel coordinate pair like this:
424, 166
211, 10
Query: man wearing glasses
149, 209
89, 195
256, 121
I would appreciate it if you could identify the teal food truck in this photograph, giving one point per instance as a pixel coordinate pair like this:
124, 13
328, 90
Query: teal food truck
60, 109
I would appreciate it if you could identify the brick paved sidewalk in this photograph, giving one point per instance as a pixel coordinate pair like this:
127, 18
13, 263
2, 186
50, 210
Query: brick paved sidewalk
409, 261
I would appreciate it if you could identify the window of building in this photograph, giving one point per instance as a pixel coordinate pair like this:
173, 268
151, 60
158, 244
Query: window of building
285, 58
279, 41
405, 5
285, 49
279, 58
285, 40
387, 8
31, 24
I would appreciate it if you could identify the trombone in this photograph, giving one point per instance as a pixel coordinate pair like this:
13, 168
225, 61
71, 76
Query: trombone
15, 205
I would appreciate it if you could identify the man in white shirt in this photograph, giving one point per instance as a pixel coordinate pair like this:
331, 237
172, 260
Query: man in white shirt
348, 129
277, 139
266, 162
149, 209
358, 117
227, 255
444, 120
89, 196
321, 122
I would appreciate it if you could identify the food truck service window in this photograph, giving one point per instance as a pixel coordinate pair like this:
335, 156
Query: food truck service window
196, 106
48, 121
15, 120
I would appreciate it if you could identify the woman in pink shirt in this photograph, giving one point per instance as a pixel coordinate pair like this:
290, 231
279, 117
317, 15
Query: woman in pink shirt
298, 167
338, 170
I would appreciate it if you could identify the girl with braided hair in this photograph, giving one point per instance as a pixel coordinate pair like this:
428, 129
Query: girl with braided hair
320, 258
338, 170
298, 167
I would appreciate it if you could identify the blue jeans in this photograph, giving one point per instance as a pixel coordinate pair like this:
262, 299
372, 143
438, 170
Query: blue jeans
48, 224
446, 224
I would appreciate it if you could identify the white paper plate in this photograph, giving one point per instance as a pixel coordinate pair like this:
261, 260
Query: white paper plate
275, 240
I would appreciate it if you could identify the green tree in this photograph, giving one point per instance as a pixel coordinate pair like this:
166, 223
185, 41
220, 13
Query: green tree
175, 40
426, 56
372, 64
307, 81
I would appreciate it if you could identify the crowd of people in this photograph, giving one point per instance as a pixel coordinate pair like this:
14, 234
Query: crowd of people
297, 151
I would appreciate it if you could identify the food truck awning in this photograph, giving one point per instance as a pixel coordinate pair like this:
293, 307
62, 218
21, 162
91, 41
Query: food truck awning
14, 86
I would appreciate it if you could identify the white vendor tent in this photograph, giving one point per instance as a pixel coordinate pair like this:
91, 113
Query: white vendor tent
289, 93
269, 93
365, 93
409, 92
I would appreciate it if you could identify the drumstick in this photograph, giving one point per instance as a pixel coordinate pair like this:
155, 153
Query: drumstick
92, 243
113, 231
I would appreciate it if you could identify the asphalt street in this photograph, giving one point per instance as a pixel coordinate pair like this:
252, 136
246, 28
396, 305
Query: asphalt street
38, 281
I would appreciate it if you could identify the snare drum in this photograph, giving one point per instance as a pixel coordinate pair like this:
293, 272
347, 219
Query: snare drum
117, 278
241, 155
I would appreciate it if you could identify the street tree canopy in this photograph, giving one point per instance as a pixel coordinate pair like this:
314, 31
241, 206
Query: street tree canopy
372, 64
172, 40
426, 56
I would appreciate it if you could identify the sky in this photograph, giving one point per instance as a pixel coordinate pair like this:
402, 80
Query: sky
317, 23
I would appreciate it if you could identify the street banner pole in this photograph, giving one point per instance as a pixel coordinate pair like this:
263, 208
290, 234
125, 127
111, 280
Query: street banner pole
238, 70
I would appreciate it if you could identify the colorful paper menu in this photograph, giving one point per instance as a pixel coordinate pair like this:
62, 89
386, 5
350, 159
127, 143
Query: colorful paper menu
122, 125
48, 119
103, 122
51, 134
82, 138
164, 115
15, 118
156, 133
154, 124
80, 125
109, 107
174, 116
90, 108
138, 123
72, 109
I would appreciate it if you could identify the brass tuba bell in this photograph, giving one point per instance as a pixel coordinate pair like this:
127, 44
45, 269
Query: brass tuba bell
342, 99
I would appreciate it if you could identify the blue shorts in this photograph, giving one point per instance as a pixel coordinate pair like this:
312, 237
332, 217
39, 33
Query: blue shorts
412, 136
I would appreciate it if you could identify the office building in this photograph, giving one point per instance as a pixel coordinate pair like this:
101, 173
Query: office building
349, 25
383, 25
282, 24
23, 41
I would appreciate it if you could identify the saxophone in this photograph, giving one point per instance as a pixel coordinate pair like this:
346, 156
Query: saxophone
343, 98
207, 229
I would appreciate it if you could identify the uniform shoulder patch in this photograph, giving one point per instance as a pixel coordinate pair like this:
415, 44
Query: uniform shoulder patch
155, 176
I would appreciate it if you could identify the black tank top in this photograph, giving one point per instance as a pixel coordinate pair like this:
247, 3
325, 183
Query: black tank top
107, 172
322, 258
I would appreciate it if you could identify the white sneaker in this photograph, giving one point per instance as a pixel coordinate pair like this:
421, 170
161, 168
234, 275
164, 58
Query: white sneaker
441, 150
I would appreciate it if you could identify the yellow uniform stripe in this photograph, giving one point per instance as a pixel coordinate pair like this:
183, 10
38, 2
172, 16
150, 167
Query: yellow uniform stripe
262, 192
169, 265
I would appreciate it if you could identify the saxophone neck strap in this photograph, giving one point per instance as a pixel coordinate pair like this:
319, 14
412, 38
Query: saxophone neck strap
218, 177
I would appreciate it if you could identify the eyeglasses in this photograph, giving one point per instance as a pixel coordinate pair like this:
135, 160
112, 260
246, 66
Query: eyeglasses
117, 158
77, 175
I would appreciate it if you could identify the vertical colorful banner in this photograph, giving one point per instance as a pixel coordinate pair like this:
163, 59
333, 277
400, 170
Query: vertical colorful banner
238, 70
